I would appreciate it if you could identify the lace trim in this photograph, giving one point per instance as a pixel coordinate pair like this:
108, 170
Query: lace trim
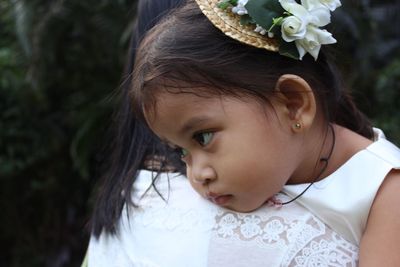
263, 230
304, 240
332, 251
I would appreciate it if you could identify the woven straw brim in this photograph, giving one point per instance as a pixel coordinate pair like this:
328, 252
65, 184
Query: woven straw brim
229, 24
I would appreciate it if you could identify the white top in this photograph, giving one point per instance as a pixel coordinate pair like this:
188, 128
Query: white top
189, 231
343, 199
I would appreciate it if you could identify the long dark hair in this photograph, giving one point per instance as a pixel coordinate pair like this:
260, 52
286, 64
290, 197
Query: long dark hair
132, 141
186, 52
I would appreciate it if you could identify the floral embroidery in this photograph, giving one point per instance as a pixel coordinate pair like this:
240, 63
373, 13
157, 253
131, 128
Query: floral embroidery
251, 227
305, 241
329, 254
227, 224
273, 230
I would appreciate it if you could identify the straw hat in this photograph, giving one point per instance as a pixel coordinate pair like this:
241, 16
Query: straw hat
229, 24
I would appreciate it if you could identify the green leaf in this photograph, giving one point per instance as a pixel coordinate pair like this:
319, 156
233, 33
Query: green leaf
276, 30
277, 21
289, 50
223, 5
246, 19
264, 11
226, 3
276, 26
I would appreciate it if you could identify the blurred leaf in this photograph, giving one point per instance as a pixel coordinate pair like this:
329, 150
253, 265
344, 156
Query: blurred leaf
59, 61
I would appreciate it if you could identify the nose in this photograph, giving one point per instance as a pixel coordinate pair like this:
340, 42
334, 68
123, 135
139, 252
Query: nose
201, 173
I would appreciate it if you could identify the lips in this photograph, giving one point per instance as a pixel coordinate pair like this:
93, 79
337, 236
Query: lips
219, 199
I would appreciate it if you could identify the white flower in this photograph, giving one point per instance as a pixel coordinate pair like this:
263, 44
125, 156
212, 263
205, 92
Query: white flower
239, 8
321, 16
260, 30
302, 26
313, 40
318, 15
294, 27
313, 4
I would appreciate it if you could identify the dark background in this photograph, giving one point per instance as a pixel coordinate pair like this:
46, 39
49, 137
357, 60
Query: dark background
60, 68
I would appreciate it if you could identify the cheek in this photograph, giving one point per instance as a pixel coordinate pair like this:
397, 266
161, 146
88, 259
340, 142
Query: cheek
265, 164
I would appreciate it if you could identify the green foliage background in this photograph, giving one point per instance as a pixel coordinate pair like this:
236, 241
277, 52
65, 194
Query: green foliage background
60, 65
60, 62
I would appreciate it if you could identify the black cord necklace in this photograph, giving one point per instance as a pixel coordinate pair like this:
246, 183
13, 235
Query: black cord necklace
324, 160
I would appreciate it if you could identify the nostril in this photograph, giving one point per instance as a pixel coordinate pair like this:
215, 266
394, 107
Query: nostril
207, 181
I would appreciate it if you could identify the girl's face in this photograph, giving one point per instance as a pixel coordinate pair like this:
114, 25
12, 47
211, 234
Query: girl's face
237, 152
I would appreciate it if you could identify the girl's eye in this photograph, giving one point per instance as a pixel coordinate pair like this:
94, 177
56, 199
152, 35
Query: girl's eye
182, 152
203, 138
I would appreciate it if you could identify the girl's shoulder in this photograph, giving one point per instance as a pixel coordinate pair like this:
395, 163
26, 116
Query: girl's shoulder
379, 244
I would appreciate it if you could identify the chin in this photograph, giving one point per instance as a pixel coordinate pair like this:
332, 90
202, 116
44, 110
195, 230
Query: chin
244, 209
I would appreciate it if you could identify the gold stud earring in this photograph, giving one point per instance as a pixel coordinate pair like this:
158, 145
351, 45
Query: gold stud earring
297, 126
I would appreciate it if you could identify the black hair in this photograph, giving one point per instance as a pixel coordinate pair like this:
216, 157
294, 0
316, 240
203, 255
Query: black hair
186, 49
132, 141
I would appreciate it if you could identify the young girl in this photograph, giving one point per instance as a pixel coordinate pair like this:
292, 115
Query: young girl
169, 225
254, 115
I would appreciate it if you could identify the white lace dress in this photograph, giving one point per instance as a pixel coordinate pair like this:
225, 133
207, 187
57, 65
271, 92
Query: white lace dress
323, 228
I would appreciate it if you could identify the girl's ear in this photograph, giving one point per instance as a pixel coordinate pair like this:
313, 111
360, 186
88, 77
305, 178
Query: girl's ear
299, 100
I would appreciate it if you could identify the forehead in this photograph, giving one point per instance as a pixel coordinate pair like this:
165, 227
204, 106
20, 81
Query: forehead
179, 97
181, 105
180, 113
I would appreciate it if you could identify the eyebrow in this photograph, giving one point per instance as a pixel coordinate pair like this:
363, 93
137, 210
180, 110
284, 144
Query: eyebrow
192, 123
